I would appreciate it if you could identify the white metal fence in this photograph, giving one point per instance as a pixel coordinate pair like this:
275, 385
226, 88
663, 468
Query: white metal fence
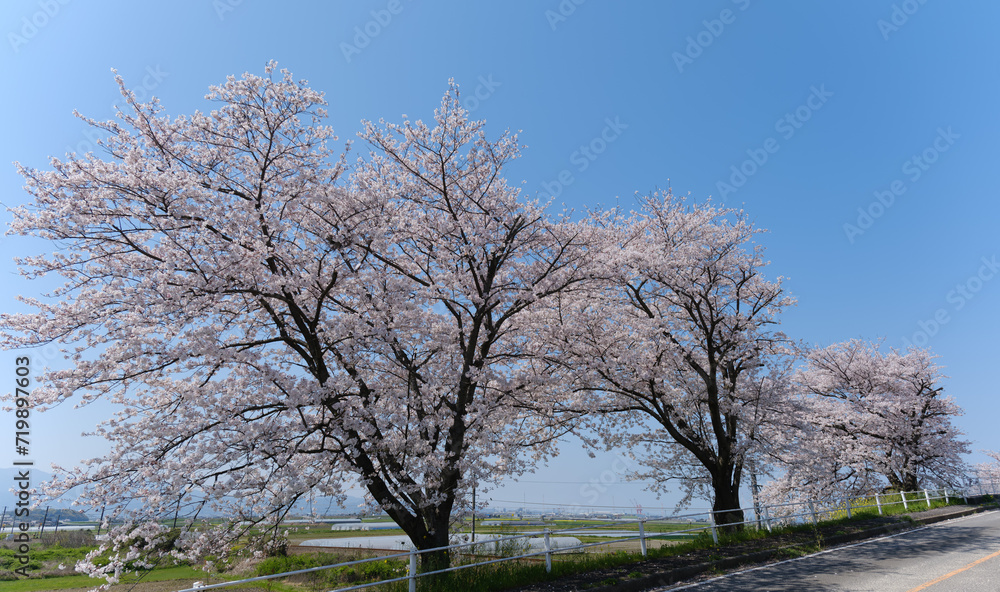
767, 517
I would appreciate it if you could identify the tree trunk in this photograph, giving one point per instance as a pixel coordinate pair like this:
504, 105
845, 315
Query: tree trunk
726, 505
429, 531
438, 537
428, 527
903, 482
426, 536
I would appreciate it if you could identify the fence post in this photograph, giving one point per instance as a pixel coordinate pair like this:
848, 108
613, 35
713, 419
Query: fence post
715, 533
848, 507
812, 508
548, 553
946, 496
45, 517
902, 494
642, 538
413, 570
878, 503
927, 497
767, 517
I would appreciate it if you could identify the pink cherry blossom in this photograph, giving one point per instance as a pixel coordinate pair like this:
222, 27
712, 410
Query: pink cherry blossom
674, 353
869, 420
272, 326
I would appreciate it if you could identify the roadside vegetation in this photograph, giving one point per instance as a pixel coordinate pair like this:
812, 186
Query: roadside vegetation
52, 559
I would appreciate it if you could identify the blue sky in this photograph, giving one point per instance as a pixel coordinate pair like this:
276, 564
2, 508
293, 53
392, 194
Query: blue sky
802, 113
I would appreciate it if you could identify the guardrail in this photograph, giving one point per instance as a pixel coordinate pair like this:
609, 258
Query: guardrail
768, 515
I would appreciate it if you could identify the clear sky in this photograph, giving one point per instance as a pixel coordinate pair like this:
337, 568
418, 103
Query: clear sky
864, 134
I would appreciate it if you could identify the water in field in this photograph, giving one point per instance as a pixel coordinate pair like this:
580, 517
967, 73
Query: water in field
364, 526
402, 542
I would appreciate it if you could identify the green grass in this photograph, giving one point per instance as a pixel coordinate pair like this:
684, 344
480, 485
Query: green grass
798, 551
372, 571
649, 527
514, 573
891, 506
66, 582
158, 575
478, 578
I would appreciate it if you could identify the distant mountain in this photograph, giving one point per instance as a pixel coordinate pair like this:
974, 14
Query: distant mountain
326, 506
323, 506
8, 499
8, 478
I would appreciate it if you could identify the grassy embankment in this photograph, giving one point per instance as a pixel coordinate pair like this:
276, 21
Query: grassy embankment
48, 556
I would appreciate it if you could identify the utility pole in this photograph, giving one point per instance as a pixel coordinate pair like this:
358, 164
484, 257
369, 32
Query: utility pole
44, 518
100, 521
177, 510
754, 489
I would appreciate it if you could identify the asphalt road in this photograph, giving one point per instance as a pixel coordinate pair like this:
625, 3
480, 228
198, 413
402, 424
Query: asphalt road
957, 555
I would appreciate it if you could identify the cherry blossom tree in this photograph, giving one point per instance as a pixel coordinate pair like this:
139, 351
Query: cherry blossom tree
454, 299
987, 474
676, 350
272, 329
871, 420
